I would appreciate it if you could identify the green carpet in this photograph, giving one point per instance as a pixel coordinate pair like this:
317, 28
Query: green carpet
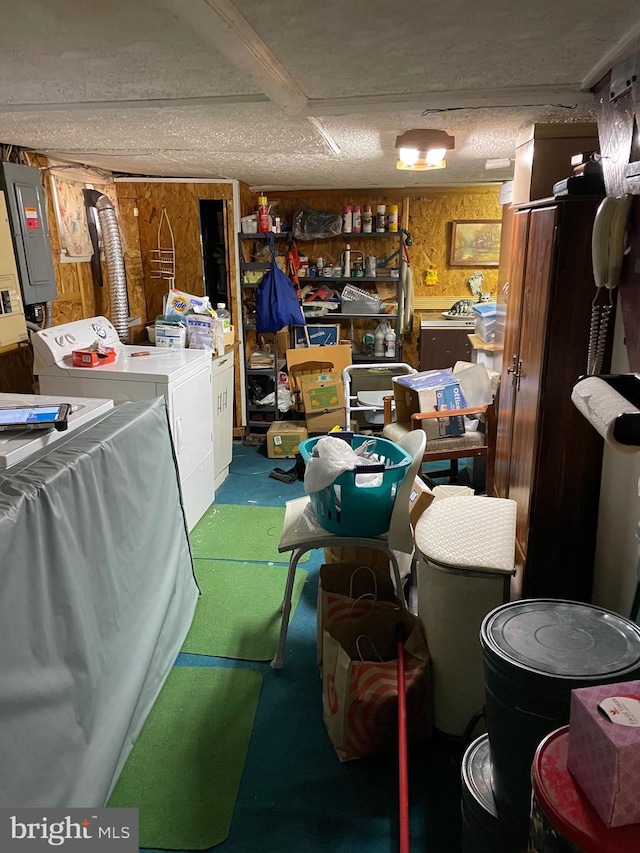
184, 771
238, 613
233, 532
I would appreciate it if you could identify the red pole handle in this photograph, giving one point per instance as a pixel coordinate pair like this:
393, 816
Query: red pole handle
403, 775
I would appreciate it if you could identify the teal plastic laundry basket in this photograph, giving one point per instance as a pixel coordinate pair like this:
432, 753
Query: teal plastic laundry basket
348, 507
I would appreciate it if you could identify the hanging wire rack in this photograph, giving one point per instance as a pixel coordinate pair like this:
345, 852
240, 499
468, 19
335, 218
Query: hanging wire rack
163, 258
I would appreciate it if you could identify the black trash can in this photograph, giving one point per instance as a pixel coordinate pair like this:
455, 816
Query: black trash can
536, 652
483, 829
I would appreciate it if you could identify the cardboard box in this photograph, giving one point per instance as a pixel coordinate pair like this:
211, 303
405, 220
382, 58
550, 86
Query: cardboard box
386, 289
604, 751
420, 498
430, 391
229, 336
325, 421
284, 437
317, 335
543, 156
328, 359
338, 356
92, 358
322, 392
449, 491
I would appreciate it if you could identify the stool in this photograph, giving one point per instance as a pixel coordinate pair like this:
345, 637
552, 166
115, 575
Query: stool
466, 548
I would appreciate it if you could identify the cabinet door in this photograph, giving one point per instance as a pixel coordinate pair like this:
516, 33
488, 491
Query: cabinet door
531, 356
511, 297
191, 421
440, 348
223, 385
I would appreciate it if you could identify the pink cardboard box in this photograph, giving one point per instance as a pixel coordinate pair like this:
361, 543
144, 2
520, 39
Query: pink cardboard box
604, 749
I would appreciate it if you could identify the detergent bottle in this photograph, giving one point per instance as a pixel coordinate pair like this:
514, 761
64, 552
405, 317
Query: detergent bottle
390, 343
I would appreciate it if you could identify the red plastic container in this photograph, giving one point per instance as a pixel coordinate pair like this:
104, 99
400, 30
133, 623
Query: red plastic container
562, 819
91, 358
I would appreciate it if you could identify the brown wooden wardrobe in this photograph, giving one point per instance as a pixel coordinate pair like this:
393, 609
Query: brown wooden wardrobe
548, 457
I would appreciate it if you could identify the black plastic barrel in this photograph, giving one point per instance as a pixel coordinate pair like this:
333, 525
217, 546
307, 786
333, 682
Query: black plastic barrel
536, 652
482, 829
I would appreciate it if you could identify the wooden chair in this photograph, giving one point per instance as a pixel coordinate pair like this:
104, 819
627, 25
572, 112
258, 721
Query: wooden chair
472, 445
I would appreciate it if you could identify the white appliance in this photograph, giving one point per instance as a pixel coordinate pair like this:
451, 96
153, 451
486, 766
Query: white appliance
17, 446
183, 376
223, 379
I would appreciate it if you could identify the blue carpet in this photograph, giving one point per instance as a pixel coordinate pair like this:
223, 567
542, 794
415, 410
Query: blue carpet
295, 796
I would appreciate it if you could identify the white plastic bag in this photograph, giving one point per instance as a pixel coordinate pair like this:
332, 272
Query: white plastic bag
332, 457
475, 383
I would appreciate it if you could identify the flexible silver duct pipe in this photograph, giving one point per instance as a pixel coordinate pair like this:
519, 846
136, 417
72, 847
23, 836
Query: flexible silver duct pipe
48, 315
116, 276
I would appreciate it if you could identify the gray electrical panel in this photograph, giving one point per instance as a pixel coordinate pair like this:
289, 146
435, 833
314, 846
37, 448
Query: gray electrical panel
30, 232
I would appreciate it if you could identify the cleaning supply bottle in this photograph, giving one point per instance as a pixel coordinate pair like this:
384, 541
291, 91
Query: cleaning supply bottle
263, 214
357, 219
346, 265
367, 220
390, 343
378, 341
393, 217
223, 314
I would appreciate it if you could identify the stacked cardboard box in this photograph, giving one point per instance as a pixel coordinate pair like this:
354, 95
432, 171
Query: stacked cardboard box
323, 401
430, 391
315, 378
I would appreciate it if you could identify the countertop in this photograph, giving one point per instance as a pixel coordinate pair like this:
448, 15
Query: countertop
435, 320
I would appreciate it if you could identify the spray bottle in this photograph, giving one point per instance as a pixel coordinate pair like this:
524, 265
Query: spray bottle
263, 214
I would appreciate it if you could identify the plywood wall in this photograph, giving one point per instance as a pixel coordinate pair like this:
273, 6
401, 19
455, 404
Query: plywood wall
180, 201
78, 296
141, 205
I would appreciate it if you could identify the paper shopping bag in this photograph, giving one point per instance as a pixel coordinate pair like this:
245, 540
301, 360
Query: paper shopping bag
348, 591
360, 687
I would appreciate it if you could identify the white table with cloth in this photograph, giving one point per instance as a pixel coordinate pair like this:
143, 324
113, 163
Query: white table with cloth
97, 593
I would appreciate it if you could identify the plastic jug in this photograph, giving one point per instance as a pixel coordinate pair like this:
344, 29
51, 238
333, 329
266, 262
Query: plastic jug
390, 343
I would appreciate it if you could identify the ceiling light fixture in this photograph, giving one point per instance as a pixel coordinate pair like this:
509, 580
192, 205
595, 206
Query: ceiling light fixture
423, 149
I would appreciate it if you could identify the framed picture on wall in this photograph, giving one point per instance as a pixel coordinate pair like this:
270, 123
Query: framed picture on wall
475, 243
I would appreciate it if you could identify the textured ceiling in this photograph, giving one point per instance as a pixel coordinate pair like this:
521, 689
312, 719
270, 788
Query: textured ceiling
214, 89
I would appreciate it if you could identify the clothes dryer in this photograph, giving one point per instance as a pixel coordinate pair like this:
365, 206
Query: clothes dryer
182, 376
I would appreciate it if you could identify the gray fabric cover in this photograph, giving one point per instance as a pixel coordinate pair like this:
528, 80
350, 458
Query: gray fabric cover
97, 593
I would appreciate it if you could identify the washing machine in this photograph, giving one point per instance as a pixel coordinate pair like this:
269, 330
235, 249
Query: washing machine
20, 446
182, 376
